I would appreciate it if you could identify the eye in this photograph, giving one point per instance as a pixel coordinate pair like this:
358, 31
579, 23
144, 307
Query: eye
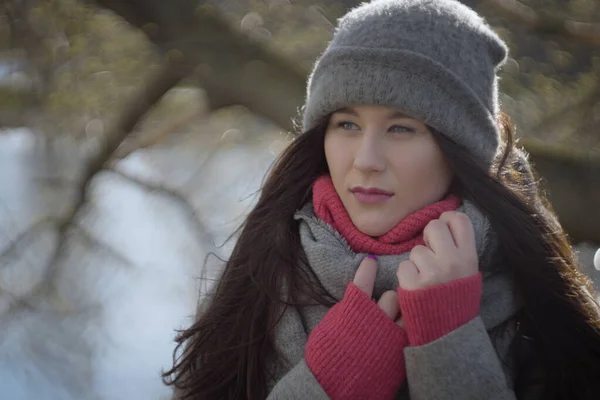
401, 129
348, 126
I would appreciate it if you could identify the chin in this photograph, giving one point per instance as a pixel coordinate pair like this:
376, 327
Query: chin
373, 229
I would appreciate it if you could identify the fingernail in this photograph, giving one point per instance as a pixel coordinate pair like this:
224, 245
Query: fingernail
372, 257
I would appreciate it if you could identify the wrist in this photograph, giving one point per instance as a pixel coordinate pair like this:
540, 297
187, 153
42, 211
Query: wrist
431, 313
357, 350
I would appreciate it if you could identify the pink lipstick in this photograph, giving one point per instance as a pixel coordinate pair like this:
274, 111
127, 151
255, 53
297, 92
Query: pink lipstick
371, 195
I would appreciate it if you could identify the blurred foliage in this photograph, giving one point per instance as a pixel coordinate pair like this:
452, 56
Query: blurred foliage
89, 60
544, 74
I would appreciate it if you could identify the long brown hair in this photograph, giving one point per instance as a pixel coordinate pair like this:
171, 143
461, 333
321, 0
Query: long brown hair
229, 351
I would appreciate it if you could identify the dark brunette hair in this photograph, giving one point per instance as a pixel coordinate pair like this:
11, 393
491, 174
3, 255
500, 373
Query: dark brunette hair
229, 351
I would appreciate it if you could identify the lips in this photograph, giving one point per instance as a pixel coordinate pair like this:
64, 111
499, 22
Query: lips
371, 195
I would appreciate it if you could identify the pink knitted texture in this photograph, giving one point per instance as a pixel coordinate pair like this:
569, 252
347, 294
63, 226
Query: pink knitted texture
402, 238
430, 313
356, 351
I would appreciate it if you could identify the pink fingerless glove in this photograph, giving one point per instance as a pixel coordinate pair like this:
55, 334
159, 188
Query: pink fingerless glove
430, 313
356, 351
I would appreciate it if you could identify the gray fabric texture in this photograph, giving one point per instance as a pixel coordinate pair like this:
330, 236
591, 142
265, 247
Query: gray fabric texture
466, 363
299, 384
434, 60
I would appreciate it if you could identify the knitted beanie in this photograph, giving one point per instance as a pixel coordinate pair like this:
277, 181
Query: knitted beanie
434, 60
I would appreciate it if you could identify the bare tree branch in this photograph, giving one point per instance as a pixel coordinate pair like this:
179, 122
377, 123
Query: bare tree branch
91, 240
151, 138
164, 80
27, 235
193, 182
15, 249
232, 68
15, 119
202, 234
157, 135
547, 24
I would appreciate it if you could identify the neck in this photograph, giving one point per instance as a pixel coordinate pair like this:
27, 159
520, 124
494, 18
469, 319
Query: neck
407, 234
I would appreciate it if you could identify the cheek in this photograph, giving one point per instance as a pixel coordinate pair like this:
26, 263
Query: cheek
338, 157
440, 171
423, 170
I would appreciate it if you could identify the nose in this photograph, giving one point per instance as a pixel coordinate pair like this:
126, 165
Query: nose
369, 156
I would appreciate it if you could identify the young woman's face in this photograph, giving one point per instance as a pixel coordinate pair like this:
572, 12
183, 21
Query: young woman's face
384, 166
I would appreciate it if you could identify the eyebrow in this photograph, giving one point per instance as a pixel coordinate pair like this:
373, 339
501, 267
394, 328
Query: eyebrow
351, 111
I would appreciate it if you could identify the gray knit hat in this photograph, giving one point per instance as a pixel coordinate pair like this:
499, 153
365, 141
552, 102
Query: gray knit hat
435, 60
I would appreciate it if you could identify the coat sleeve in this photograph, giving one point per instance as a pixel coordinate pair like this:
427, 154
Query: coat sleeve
462, 365
298, 384
293, 379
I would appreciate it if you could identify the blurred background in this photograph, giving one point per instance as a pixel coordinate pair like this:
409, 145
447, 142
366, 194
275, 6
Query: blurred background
134, 135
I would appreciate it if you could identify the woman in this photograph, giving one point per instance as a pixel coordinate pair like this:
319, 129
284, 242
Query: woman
400, 247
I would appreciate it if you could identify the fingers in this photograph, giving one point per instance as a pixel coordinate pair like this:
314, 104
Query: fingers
408, 275
450, 254
460, 227
438, 237
365, 275
364, 279
462, 230
422, 256
388, 302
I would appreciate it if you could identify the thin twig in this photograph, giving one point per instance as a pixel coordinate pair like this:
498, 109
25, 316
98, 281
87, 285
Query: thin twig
159, 134
202, 234
26, 234
96, 242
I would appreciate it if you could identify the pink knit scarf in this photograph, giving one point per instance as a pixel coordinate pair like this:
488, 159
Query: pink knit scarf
402, 238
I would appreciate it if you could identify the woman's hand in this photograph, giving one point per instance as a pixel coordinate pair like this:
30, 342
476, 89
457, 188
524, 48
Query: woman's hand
440, 286
364, 279
449, 254
357, 350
